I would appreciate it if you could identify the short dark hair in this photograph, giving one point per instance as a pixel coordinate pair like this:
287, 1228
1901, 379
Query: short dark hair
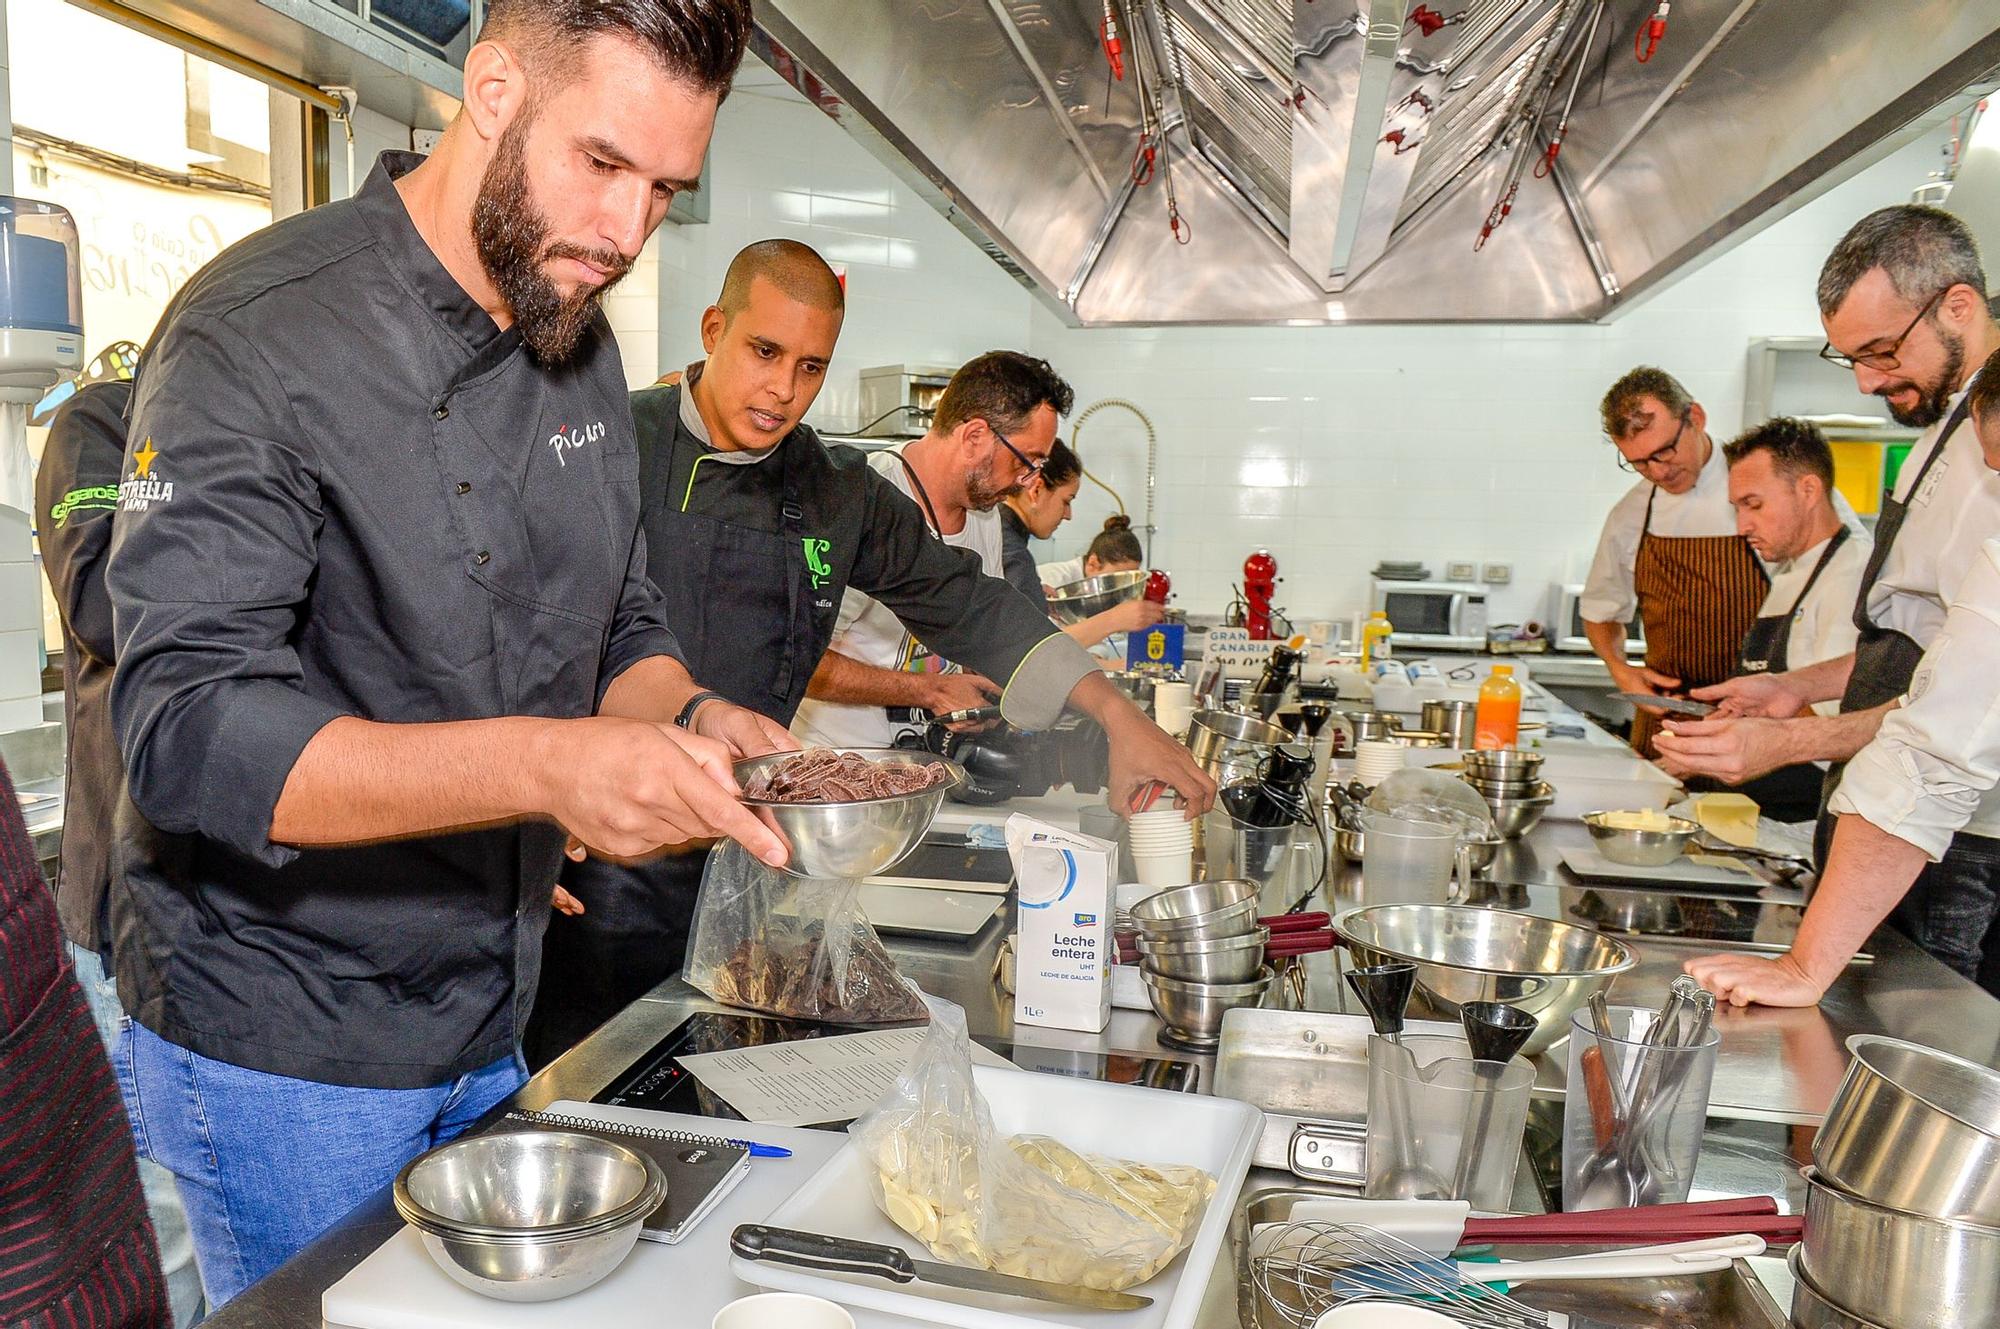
1796, 446
1062, 465
1983, 402
794, 268
1003, 388
1924, 251
1622, 410
1116, 543
697, 41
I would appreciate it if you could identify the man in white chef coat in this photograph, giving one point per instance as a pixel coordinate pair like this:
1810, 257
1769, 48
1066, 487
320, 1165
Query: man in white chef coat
1908, 796
1781, 485
1903, 300
1669, 555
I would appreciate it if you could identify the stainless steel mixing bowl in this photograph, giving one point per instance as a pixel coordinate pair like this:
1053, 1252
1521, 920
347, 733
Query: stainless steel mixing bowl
1904, 1270
1192, 1012
1810, 1307
529, 1215
1636, 848
854, 839
1916, 1129
1503, 764
1093, 595
1230, 746
1515, 816
1198, 911
1471, 953
1213, 960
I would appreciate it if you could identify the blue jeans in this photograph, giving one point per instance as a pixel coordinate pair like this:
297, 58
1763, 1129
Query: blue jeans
266, 1162
163, 1202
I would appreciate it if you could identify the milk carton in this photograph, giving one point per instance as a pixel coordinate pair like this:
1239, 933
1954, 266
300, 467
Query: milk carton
1064, 950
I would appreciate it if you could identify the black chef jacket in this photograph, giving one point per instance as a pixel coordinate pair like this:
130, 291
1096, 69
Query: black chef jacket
76, 492
346, 492
1017, 561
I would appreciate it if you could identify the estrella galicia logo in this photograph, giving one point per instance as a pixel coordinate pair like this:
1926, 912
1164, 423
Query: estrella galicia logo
816, 551
569, 438
1086, 920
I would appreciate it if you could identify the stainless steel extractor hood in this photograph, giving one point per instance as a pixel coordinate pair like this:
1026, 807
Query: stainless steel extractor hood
1336, 160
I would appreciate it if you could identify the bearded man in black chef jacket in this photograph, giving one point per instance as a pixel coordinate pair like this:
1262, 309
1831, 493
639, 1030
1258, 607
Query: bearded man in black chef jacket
765, 529
385, 634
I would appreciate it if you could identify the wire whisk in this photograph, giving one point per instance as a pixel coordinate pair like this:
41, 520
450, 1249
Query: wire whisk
1303, 1270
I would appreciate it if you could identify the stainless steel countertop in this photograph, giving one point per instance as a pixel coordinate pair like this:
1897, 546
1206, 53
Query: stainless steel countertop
1776, 1066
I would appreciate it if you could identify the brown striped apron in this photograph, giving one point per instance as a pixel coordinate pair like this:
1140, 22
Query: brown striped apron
1698, 596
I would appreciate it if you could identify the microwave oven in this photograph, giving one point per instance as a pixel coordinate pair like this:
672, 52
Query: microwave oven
1566, 623
1440, 615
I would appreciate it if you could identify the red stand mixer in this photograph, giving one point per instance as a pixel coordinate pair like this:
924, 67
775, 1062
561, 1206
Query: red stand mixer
1260, 583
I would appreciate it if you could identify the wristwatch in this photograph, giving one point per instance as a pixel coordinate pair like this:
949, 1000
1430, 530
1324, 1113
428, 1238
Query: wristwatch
693, 704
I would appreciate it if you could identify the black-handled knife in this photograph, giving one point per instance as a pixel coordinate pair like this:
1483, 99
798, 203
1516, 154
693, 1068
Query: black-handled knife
841, 1255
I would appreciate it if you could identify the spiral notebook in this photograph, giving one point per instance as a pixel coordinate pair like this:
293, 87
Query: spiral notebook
700, 1169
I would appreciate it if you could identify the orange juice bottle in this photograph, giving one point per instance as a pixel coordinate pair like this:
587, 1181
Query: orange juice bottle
1497, 724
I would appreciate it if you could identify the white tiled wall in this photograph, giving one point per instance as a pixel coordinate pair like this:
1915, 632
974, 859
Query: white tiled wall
1332, 447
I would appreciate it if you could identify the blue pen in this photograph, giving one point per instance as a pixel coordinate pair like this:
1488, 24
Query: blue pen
763, 1150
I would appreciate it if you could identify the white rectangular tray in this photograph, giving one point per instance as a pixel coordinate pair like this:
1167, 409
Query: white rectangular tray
1726, 874
1121, 1121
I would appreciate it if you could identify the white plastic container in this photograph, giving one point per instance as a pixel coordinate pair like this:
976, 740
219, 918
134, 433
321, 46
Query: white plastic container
1216, 1135
1605, 782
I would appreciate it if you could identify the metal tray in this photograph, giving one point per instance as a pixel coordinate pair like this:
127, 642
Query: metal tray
1308, 1072
1729, 1298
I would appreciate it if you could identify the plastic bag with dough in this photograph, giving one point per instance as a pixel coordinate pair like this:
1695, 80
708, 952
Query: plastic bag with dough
1027, 1205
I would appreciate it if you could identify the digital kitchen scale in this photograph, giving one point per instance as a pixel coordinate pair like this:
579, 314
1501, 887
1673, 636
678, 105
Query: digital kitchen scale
937, 866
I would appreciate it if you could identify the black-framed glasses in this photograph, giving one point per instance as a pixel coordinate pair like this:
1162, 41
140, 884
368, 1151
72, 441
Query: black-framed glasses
1883, 360
1659, 457
1034, 465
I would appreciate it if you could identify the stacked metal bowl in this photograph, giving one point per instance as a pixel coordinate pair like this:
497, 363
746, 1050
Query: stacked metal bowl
1509, 779
1201, 954
529, 1215
1903, 1203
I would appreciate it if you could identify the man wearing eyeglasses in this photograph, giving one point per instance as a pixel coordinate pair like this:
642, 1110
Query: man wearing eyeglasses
994, 426
1903, 300
1669, 553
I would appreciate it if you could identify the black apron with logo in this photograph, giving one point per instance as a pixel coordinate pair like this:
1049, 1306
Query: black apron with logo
1884, 659
1790, 793
745, 606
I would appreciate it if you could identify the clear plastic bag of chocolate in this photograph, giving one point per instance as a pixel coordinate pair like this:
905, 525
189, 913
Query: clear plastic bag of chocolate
764, 940
1027, 1205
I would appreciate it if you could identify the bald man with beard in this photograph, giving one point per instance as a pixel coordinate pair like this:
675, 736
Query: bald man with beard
757, 530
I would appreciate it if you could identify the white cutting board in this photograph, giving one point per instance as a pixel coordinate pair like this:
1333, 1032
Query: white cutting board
1217, 1135
1688, 870
658, 1286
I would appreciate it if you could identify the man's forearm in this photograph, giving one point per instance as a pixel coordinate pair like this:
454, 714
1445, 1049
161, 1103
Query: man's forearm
1834, 737
845, 680
1095, 697
653, 689
1868, 872
359, 781
1608, 641
1825, 681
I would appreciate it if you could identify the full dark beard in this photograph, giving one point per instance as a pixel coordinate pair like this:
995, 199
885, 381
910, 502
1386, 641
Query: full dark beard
1934, 401
982, 496
511, 234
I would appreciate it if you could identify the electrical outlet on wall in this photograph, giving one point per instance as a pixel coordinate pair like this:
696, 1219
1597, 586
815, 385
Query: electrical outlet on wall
1497, 574
1460, 571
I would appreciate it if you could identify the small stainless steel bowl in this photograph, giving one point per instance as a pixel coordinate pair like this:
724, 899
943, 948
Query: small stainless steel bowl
1079, 600
1522, 788
529, 1215
1230, 746
1220, 960
1192, 1012
1906, 1270
1505, 763
1472, 953
1514, 817
1916, 1129
858, 838
1352, 844
1482, 852
1640, 849
1198, 911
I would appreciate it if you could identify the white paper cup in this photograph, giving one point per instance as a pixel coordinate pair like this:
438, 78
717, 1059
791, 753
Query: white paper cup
1173, 706
1144, 824
1163, 842
1159, 871
782, 1310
